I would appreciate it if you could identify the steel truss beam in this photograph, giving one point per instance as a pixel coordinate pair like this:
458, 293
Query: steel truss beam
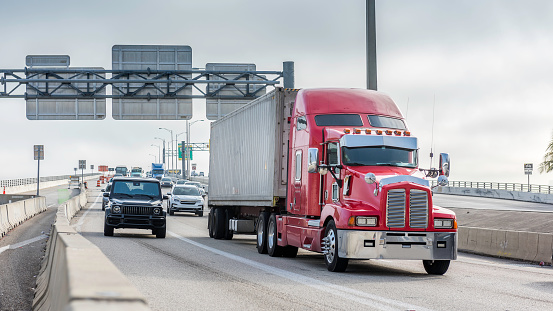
88, 83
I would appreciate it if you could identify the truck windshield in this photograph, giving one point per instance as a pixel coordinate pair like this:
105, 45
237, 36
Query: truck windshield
136, 189
380, 155
160, 171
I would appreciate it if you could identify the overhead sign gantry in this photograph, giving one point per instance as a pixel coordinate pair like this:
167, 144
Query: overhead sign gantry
146, 82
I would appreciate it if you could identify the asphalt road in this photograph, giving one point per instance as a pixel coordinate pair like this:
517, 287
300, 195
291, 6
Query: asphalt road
22, 249
189, 271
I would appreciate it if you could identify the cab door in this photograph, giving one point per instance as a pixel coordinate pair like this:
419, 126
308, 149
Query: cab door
296, 198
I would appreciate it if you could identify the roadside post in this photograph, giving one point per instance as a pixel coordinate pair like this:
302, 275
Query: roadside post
528, 168
82, 166
39, 155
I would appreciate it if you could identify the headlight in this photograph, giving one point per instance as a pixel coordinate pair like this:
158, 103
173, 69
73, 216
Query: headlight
363, 221
200, 202
116, 209
440, 223
157, 211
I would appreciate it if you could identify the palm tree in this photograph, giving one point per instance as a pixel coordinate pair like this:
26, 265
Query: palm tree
547, 164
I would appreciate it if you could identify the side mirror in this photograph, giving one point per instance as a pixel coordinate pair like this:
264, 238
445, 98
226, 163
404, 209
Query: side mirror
103, 190
165, 197
442, 180
444, 164
106, 194
312, 160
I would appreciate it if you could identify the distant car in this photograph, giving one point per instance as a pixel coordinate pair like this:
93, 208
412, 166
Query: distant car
193, 173
118, 175
186, 198
105, 200
201, 174
166, 182
180, 182
194, 183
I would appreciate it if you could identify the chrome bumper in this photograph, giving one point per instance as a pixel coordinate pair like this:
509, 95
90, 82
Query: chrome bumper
397, 245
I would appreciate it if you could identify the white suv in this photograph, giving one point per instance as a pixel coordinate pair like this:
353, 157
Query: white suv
185, 198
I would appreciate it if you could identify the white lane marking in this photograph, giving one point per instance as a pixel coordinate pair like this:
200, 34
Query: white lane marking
51, 205
360, 297
78, 225
20, 244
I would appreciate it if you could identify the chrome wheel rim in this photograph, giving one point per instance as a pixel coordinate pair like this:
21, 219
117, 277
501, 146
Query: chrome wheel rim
331, 246
260, 233
270, 235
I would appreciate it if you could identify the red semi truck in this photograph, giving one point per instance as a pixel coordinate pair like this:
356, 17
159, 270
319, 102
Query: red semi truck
333, 171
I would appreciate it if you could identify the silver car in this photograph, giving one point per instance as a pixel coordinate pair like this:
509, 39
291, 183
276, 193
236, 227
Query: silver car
186, 198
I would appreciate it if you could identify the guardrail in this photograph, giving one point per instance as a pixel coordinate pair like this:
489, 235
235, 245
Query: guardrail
26, 181
500, 186
13, 214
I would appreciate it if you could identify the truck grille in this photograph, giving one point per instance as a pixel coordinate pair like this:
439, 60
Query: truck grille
418, 209
136, 210
396, 209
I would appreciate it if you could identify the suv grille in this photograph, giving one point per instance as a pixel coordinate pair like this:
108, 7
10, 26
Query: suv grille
396, 209
136, 210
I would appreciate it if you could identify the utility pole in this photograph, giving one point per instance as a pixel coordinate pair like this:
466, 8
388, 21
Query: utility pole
371, 46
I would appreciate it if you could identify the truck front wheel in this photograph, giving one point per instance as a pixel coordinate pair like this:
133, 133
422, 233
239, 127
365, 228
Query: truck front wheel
333, 262
262, 232
437, 267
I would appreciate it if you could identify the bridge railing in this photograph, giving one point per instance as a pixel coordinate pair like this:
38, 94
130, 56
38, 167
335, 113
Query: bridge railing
26, 181
500, 186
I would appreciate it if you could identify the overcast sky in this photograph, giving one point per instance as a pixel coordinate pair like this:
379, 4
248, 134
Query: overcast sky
486, 67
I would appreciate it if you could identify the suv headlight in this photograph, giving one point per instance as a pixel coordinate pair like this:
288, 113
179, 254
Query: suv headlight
445, 223
363, 221
116, 209
157, 210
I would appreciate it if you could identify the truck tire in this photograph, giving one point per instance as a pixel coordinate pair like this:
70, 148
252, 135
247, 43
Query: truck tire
261, 230
210, 223
273, 249
228, 216
436, 267
160, 232
108, 230
333, 262
219, 223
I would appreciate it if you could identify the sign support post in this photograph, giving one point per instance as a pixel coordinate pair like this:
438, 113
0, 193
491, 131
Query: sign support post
528, 168
39, 155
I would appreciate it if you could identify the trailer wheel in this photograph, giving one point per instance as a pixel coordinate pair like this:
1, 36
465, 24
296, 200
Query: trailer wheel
262, 232
228, 216
210, 223
219, 223
273, 248
333, 262
437, 267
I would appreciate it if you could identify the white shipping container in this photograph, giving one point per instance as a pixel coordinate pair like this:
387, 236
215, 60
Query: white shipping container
249, 152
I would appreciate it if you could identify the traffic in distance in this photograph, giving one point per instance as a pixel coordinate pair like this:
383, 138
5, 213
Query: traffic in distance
346, 184
137, 202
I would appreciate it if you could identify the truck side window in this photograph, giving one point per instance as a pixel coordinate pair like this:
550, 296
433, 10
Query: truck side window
298, 165
301, 123
333, 154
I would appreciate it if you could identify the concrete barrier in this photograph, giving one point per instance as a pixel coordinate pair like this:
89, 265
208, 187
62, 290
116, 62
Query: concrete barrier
5, 225
528, 246
76, 275
497, 194
16, 213
44, 185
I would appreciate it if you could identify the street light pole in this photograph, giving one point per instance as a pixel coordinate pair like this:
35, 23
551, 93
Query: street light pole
182, 154
158, 150
163, 152
188, 152
172, 157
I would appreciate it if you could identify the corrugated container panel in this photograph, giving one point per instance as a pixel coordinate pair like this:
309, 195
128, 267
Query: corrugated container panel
246, 152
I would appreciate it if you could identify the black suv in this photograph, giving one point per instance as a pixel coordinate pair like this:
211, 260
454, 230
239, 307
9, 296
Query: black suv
135, 203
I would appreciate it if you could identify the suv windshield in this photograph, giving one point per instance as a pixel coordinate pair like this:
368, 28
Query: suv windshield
381, 155
186, 191
133, 188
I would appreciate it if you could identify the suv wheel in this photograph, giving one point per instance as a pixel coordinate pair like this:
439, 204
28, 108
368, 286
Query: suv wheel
108, 231
161, 232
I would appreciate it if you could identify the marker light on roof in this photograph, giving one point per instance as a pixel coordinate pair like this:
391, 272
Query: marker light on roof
388, 132
406, 133
367, 131
397, 133
356, 131
379, 132
347, 131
